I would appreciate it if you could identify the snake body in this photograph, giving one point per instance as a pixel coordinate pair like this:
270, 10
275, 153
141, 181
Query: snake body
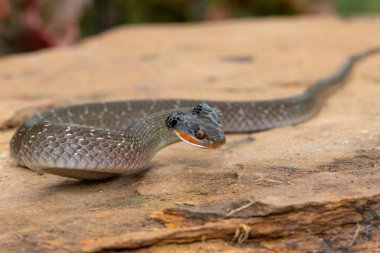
99, 140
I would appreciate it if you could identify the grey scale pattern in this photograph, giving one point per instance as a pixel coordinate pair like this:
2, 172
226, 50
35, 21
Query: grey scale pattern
98, 140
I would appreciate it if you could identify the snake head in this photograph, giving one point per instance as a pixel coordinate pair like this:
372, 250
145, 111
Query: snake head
201, 126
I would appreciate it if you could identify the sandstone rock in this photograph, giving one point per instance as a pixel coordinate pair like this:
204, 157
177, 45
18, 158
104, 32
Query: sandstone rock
313, 186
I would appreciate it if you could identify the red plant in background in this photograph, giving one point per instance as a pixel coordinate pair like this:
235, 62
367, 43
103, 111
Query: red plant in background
4, 9
34, 32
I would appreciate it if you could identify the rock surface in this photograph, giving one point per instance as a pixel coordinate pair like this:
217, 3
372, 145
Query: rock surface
310, 187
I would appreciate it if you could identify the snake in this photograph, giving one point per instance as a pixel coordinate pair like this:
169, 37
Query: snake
103, 139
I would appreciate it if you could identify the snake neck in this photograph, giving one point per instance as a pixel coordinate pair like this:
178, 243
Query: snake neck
152, 132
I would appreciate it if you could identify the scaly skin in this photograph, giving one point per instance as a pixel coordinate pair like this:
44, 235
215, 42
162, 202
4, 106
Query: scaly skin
98, 140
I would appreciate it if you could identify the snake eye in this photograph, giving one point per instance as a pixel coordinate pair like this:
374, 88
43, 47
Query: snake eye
200, 134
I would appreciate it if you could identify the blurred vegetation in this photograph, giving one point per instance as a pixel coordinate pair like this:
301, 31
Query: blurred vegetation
34, 24
105, 14
349, 7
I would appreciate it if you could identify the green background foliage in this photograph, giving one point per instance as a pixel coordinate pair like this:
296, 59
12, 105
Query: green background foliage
105, 14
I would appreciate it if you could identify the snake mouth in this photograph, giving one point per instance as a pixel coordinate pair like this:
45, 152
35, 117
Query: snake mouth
199, 143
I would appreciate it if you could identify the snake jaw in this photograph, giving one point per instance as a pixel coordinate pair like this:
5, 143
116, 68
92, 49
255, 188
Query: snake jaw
197, 143
200, 127
188, 139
